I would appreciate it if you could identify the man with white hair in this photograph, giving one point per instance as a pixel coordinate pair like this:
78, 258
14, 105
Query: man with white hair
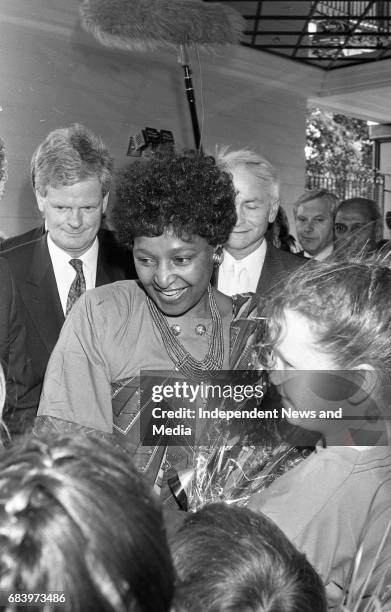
250, 262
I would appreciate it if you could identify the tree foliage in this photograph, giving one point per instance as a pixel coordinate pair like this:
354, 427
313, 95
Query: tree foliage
338, 150
337, 144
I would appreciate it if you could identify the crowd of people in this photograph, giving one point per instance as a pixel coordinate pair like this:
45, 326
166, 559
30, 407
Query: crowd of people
190, 272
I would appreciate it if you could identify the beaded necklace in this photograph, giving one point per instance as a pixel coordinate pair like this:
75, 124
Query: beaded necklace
183, 361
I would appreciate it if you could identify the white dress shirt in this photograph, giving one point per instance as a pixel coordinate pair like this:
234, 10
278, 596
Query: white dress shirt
241, 275
65, 274
322, 254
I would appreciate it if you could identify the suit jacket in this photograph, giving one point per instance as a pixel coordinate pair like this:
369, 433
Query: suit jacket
22, 391
13, 241
276, 267
33, 273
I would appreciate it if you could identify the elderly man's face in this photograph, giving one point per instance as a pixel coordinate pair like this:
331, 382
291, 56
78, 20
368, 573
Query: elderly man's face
314, 226
255, 209
354, 228
73, 214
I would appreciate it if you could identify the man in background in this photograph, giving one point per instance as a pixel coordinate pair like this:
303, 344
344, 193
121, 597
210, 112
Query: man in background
314, 214
357, 226
71, 173
250, 262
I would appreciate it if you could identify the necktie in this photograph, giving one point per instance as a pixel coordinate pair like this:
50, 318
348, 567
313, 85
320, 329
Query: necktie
78, 285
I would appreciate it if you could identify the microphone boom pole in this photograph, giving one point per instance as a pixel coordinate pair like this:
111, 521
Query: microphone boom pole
146, 25
183, 60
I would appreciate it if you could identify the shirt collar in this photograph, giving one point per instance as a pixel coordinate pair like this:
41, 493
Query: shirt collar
252, 258
61, 257
323, 254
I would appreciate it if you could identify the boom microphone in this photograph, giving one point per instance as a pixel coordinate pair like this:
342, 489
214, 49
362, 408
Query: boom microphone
144, 25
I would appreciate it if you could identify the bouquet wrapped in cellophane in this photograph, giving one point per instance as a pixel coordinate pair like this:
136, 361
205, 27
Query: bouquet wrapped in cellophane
242, 458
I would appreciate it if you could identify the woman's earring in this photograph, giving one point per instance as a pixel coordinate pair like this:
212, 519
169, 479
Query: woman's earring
218, 257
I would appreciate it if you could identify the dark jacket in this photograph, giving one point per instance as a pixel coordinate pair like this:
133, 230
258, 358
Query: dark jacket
278, 265
22, 384
276, 268
13, 241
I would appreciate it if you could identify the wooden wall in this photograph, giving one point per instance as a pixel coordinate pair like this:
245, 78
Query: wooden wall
52, 74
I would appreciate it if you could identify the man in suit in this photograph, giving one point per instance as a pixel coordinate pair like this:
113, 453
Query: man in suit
250, 262
314, 213
71, 175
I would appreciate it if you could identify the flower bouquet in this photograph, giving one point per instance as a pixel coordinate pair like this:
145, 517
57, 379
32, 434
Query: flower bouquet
241, 460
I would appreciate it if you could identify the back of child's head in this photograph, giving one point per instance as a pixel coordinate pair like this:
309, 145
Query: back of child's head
347, 305
76, 518
230, 559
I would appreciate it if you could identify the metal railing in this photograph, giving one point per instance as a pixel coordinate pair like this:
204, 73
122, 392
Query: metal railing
369, 186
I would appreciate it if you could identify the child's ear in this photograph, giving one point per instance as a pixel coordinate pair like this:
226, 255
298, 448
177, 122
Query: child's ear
367, 407
367, 380
366, 397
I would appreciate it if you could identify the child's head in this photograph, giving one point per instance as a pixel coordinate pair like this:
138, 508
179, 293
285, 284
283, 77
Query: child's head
333, 316
76, 517
343, 308
229, 558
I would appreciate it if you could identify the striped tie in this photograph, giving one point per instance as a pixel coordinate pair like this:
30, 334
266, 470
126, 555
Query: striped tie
78, 286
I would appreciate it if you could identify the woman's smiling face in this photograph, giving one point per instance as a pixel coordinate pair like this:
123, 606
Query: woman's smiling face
175, 272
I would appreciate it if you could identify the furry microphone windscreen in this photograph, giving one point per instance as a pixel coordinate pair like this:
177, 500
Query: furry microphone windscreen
143, 25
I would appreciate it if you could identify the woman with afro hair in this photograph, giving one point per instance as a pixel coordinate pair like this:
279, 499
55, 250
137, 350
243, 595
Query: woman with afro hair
175, 211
